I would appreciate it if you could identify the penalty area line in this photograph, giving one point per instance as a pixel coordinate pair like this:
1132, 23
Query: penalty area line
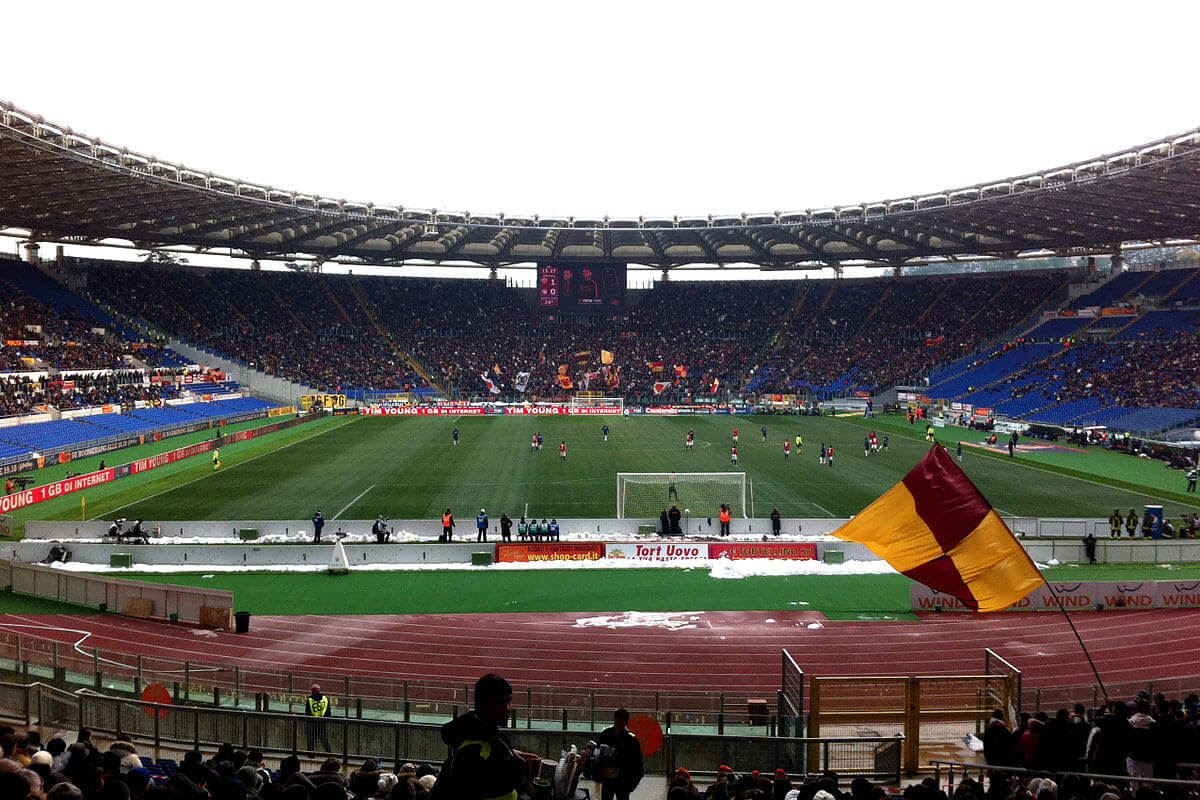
352, 502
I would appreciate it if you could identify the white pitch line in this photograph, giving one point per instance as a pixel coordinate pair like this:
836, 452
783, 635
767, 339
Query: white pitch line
352, 502
232, 466
84, 636
823, 508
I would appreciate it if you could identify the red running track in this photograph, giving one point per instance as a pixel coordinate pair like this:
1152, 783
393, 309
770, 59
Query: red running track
732, 651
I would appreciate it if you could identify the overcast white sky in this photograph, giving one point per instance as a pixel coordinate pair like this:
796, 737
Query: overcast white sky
619, 108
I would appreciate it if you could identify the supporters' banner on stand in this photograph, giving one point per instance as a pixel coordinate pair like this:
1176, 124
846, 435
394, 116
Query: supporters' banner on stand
564, 381
656, 366
522, 381
661, 386
681, 370
490, 384
935, 527
583, 356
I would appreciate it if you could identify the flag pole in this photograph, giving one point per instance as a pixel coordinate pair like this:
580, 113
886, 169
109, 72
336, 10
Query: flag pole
1079, 639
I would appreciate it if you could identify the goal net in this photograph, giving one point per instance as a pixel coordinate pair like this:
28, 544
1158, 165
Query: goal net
583, 400
646, 494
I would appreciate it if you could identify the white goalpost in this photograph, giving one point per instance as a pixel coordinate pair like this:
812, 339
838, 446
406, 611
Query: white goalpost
646, 494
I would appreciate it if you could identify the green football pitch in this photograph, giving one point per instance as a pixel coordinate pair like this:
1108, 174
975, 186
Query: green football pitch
407, 467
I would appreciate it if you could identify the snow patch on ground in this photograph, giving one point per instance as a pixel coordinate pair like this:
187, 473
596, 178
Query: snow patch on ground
762, 567
671, 620
405, 537
204, 632
812, 626
721, 568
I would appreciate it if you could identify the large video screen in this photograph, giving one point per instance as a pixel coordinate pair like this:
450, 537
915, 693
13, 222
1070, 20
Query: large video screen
581, 288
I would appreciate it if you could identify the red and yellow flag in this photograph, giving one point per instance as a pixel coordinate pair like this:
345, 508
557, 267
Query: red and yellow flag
606, 357
935, 527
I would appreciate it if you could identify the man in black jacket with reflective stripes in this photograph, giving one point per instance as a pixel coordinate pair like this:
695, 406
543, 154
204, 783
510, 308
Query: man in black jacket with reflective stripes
482, 763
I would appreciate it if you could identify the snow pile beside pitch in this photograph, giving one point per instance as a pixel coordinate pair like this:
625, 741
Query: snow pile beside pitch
721, 568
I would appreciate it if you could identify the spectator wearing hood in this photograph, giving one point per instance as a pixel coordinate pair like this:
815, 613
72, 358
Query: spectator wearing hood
1143, 744
997, 741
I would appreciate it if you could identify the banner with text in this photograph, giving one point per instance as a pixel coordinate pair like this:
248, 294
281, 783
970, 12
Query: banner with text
796, 551
549, 551
1080, 594
667, 551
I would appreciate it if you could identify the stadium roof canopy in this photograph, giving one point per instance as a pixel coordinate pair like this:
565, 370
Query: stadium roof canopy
60, 186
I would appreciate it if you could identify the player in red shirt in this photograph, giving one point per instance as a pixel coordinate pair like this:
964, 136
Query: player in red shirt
733, 455
735, 435
562, 451
829, 456
787, 449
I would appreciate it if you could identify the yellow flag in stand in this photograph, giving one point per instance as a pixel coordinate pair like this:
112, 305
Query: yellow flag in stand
606, 357
935, 527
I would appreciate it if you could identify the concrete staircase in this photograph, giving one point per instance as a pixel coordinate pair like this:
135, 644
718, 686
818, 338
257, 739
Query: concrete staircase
257, 381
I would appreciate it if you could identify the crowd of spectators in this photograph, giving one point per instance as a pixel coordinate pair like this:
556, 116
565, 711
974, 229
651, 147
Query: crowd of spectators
1123, 373
877, 333
461, 330
83, 771
1148, 737
20, 394
57, 338
297, 327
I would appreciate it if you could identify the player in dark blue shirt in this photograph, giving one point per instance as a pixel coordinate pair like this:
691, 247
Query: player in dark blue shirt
455, 435
763, 430
604, 430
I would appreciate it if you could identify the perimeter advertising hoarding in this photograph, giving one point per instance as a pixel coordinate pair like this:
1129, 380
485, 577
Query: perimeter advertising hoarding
549, 551
1080, 594
665, 551
795, 551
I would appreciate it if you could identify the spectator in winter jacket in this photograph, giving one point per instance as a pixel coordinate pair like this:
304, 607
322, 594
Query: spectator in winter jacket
482, 763
1028, 744
1108, 743
997, 742
1143, 744
621, 772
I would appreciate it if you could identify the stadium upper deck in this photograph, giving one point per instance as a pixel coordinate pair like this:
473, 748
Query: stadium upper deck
58, 185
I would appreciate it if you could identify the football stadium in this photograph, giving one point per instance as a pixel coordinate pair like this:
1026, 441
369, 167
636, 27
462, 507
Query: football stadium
901, 501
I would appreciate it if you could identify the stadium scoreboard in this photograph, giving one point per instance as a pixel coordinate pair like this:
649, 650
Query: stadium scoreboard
578, 288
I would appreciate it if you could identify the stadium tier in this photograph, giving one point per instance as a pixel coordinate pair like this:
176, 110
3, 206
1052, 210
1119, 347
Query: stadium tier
968, 338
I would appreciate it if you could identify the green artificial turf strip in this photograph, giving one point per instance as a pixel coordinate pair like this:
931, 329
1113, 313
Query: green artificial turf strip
117, 495
591, 590
12, 603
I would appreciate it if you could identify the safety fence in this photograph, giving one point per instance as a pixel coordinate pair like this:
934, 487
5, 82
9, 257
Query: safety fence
952, 771
791, 696
31, 657
157, 599
928, 709
876, 758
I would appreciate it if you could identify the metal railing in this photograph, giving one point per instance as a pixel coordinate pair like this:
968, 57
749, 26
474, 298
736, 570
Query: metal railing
26, 658
877, 758
985, 773
996, 664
